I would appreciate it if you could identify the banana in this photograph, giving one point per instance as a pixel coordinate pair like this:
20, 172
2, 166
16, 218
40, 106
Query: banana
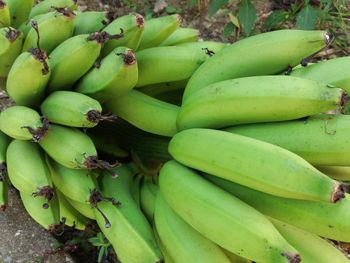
312, 248
116, 75
129, 233
323, 219
69, 215
234, 258
158, 89
180, 36
165, 253
5, 18
49, 5
91, 21
72, 109
19, 11
132, 26
322, 139
22, 123
165, 64
255, 164
73, 58
341, 173
211, 47
83, 208
146, 113
27, 26
263, 54
51, 31
3, 195
148, 194
218, 216
4, 142
159, 29
182, 242
11, 41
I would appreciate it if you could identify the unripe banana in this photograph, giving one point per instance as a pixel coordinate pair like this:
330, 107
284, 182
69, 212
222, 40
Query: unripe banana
72, 109
146, 113
165, 64
4, 142
312, 248
22, 123
11, 42
218, 216
135, 189
83, 208
90, 21
148, 194
51, 31
255, 164
116, 75
159, 29
180, 36
257, 99
324, 219
3, 195
234, 258
183, 243
263, 54
322, 139
5, 18
132, 26
49, 5
211, 47
27, 169
341, 173
165, 253
19, 11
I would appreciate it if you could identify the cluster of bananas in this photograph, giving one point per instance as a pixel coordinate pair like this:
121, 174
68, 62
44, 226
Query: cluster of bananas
219, 153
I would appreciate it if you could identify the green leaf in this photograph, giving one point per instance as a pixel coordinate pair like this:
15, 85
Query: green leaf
228, 30
215, 5
247, 16
307, 18
101, 253
234, 20
275, 19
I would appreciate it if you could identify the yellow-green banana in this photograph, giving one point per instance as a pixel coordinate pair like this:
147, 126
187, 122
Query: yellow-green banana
19, 11
5, 17
257, 99
322, 139
83, 208
341, 173
183, 243
116, 75
90, 21
49, 5
180, 36
148, 194
255, 164
324, 219
72, 109
263, 54
135, 189
165, 253
219, 216
159, 29
234, 258
146, 113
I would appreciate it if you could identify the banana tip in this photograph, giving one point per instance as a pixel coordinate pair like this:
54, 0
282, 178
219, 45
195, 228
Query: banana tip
140, 21
2, 4
292, 258
338, 193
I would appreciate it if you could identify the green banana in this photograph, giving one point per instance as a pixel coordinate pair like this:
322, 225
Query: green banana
3, 195
52, 31
5, 17
69, 215
4, 142
324, 219
66, 59
135, 189
211, 47
322, 139
183, 243
263, 54
91, 21
146, 113
11, 42
19, 11
83, 208
49, 5
165, 253
116, 75
27, 169
180, 36
132, 26
22, 123
27, 26
159, 29
165, 64
129, 233
255, 164
72, 109
218, 216
341, 173
312, 248
234, 258
148, 194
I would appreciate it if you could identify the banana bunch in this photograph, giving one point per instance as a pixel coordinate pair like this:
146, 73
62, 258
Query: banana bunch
180, 150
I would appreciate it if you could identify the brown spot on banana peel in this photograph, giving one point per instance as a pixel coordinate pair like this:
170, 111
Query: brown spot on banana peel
292, 258
338, 192
12, 34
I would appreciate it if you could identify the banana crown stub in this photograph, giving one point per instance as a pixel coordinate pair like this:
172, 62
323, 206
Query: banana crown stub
40, 132
140, 21
12, 34
64, 11
2, 4
103, 37
128, 57
109, 17
92, 162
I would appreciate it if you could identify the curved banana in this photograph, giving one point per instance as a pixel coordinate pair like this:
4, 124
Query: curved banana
146, 113
165, 253
132, 26
49, 5
234, 258
324, 219
180, 36
257, 99
159, 29
263, 54
218, 216
83, 208
183, 243
89, 22
19, 11
135, 188
255, 164
5, 17
116, 75
322, 139
72, 109
148, 194
11, 41
341, 173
